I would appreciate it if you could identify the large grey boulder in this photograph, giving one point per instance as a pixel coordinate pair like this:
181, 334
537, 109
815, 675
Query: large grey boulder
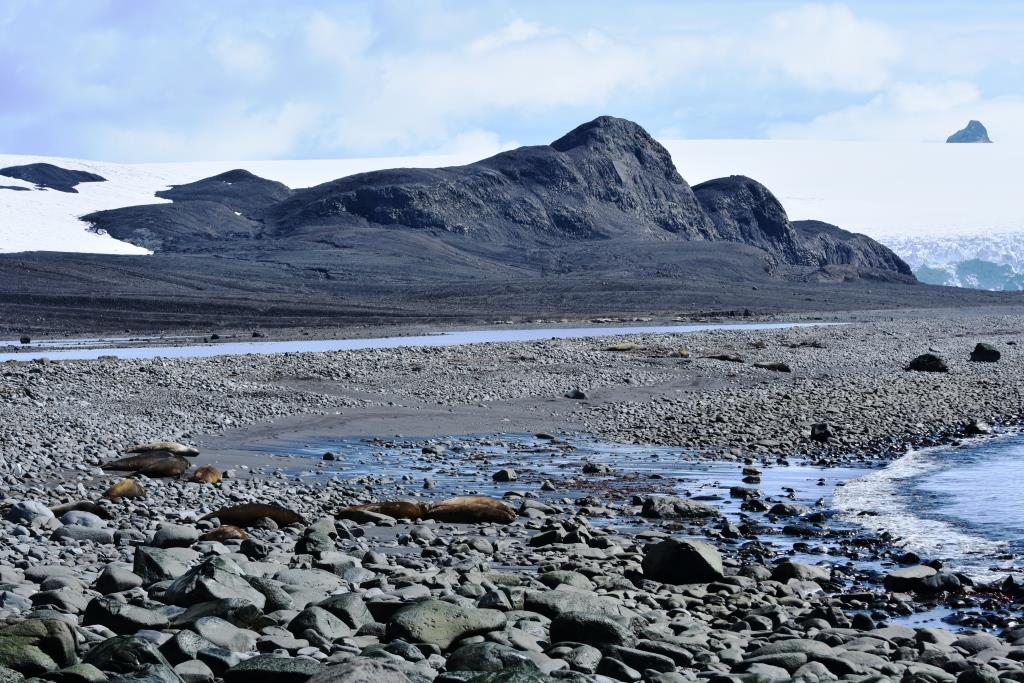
360, 670
442, 623
215, 579
37, 646
673, 507
681, 561
907, 578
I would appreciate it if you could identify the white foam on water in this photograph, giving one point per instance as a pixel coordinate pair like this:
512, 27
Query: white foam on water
885, 494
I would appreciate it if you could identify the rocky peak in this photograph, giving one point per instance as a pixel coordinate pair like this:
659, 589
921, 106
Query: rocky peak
974, 131
744, 210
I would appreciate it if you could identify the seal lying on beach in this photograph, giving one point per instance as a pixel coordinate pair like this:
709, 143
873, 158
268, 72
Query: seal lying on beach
126, 488
399, 509
247, 514
471, 510
169, 446
82, 506
152, 464
207, 474
134, 463
458, 510
224, 532
173, 466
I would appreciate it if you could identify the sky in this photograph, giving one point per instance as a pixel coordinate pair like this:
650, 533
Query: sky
156, 80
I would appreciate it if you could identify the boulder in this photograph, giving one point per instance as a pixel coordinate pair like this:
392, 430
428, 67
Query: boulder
907, 578
928, 362
37, 646
216, 578
682, 561
129, 656
442, 623
488, 657
360, 670
120, 617
272, 669
590, 628
985, 353
672, 507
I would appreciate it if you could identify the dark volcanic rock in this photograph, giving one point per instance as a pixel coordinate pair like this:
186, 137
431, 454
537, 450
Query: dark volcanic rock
985, 353
181, 226
974, 131
928, 362
606, 178
606, 198
51, 177
828, 245
744, 210
239, 190
681, 561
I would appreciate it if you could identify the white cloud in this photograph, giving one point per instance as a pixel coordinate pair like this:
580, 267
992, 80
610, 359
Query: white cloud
247, 59
338, 41
229, 135
826, 47
517, 32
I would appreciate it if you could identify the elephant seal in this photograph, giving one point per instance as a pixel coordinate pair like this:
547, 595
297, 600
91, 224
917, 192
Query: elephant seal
247, 514
225, 532
399, 509
134, 463
126, 488
207, 474
82, 506
174, 466
471, 510
169, 446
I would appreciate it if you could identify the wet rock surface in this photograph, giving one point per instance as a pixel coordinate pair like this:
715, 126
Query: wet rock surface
638, 568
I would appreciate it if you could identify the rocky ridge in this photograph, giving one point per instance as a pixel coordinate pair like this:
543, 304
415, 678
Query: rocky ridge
605, 181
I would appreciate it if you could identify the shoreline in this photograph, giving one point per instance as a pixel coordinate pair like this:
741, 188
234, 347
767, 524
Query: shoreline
676, 392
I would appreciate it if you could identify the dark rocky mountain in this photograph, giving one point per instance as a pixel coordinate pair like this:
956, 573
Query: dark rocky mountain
607, 178
744, 210
596, 198
238, 190
51, 177
829, 245
974, 131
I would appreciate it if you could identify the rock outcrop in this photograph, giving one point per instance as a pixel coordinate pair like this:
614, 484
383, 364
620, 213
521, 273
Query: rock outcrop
824, 244
606, 178
50, 177
974, 131
606, 196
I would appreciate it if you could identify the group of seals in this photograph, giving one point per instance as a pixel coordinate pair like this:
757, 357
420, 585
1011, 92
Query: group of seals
457, 510
161, 459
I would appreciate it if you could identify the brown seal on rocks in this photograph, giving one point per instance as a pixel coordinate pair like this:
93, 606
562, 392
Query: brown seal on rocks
399, 509
247, 514
169, 446
225, 532
207, 474
471, 510
135, 463
82, 506
126, 488
174, 466
459, 510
